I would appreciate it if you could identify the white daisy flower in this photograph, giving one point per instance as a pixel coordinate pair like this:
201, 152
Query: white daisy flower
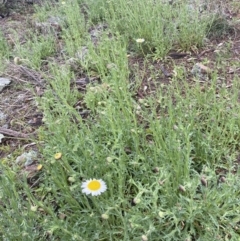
140, 40
94, 187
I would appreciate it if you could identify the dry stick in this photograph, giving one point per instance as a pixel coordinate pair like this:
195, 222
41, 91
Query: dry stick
35, 183
86, 80
205, 52
26, 71
176, 55
13, 77
13, 133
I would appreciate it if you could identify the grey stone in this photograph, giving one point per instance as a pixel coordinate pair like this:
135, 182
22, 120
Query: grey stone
201, 71
27, 158
3, 83
2, 116
1, 137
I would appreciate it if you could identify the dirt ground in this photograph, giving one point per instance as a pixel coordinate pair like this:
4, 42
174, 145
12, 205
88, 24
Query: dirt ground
17, 101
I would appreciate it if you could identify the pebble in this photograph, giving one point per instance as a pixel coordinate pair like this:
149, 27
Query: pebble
3, 83
1, 137
2, 116
27, 158
201, 71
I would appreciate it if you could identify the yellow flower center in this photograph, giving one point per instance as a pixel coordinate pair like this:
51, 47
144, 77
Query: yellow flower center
94, 185
58, 155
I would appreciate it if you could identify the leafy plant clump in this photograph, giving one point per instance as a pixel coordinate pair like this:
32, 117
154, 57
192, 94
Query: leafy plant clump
121, 159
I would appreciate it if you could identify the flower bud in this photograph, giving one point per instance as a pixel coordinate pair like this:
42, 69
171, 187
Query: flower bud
136, 200
109, 159
17, 61
182, 188
161, 214
156, 169
144, 238
71, 179
104, 216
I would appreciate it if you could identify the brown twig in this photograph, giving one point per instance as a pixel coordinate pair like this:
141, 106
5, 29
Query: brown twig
205, 52
86, 80
27, 72
176, 55
13, 77
9, 132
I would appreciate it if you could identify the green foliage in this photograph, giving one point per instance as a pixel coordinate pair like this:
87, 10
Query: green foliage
162, 25
168, 159
4, 49
220, 27
36, 50
74, 33
186, 140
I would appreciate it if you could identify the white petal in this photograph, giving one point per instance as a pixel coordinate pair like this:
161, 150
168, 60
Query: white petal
86, 190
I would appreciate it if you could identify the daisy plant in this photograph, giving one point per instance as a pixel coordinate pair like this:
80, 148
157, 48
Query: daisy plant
166, 147
139, 42
94, 187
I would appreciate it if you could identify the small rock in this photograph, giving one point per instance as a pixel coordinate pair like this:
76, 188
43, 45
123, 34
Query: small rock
1, 137
204, 69
2, 116
199, 67
27, 158
3, 83
201, 71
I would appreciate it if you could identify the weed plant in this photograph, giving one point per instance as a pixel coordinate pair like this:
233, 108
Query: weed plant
35, 51
168, 159
4, 51
161, 24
